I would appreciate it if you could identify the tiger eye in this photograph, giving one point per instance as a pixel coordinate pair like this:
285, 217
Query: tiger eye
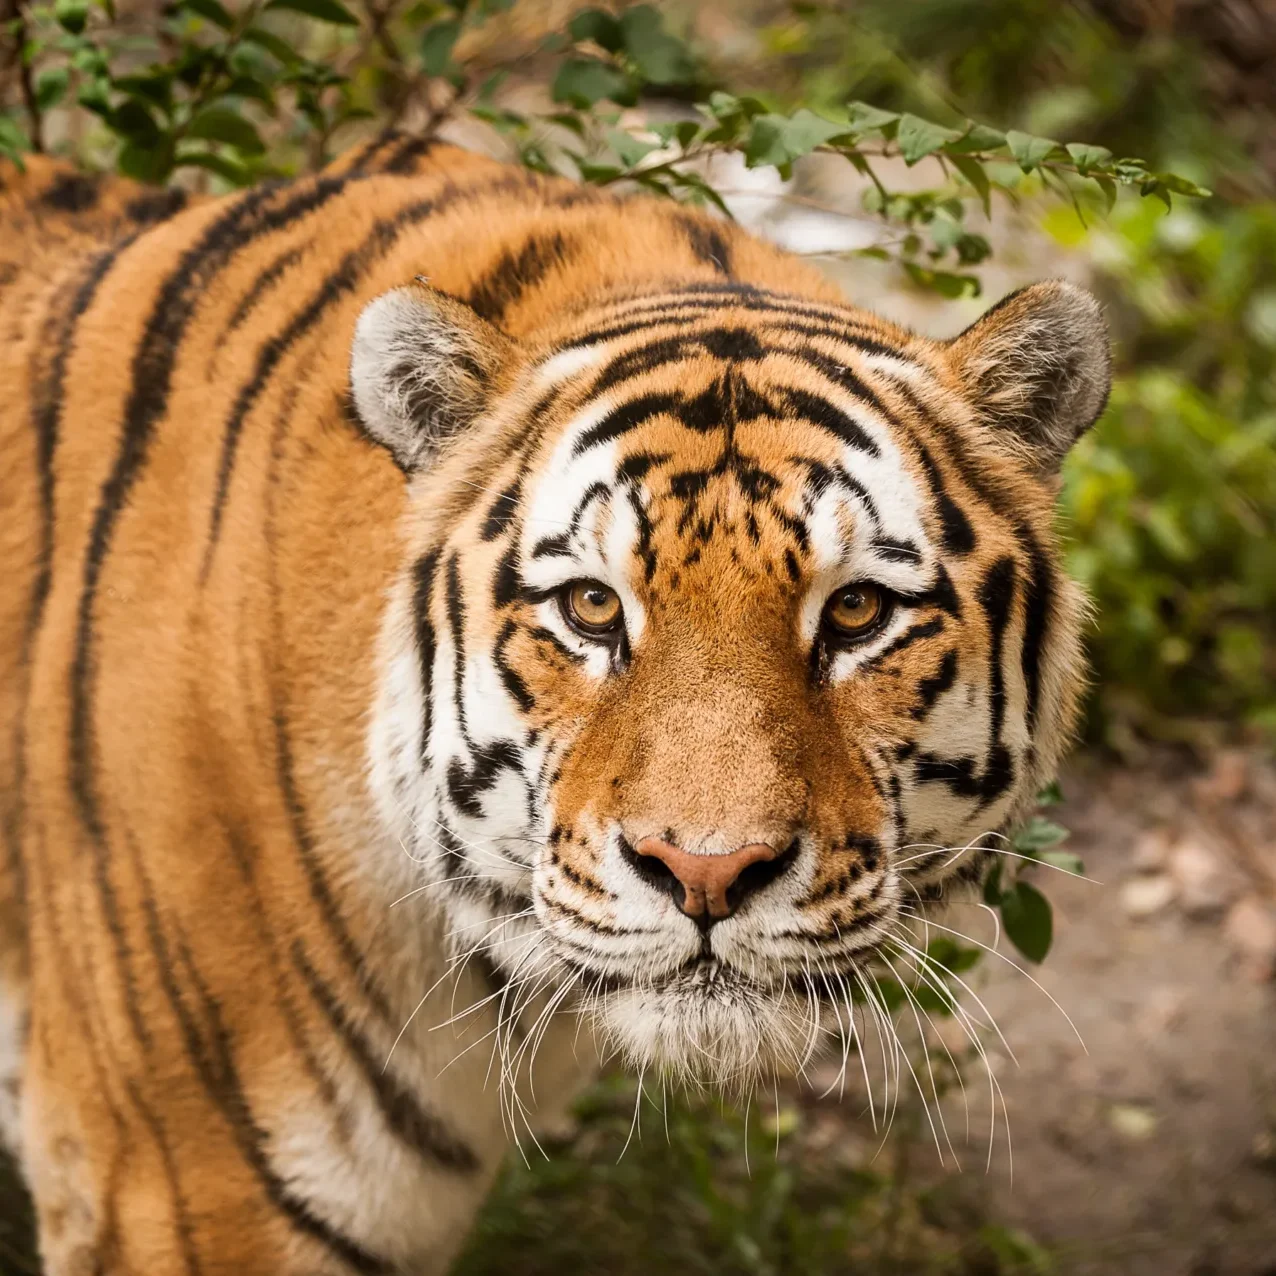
592, 608
855, 610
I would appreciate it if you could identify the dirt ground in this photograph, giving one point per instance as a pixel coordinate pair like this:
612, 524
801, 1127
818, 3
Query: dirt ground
1152, 1150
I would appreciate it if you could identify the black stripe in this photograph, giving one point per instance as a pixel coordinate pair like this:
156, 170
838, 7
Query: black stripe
515, 272
467, 784
209, 1049
996, 594
707, 244
342, 281
930, 689
507, 585
46, 419
181, 1210
422, 1132
152, 372
828, 416
502, 511
246, 855
337, 285
689, 310
627, 417
556, 546
423, 574
456, 631
914, 633
550, 638
320, 891
403, 159
744, 295
510, 677
996, 597
265, 280
1037, 610
956, 531
155, 206
73, 192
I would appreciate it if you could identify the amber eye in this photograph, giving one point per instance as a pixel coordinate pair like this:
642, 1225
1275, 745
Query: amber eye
592, 609
855, 611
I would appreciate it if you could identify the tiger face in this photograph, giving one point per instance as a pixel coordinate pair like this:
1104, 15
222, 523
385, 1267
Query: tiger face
732, 631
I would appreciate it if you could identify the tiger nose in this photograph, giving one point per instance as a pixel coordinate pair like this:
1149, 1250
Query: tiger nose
710, 887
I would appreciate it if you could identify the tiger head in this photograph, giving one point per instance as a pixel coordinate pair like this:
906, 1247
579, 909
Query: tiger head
733, 631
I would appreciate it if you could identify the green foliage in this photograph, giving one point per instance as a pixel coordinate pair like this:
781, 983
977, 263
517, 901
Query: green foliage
1170, 503
670, 1183
222, 76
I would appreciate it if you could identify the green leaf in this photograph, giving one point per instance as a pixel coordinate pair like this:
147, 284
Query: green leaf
437, 43
584, 81
1063, 859
146, 163
1181, 186
865, 118
1108, 188
992, 884
1039, 834
1088, 157
630, 149
51, 86
13, 140
222, 165
600, 27
598, 173
948, 953
779, 139
277, 47
71, 15
246, 86
131, 120
661, 58
1051, 795
765, 144
917, 138
977, 137
890, 992
934, 1001
943, 282
973, 171
325, 10
220, 124
1025, 913
1028, 150
213, 11
155, 88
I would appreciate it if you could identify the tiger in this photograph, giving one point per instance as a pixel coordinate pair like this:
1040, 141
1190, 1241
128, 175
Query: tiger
460, 625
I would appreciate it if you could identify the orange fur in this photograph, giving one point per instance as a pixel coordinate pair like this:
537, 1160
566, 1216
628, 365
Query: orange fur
199, 544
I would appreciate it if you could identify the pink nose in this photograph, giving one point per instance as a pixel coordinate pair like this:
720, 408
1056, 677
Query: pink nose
707, 880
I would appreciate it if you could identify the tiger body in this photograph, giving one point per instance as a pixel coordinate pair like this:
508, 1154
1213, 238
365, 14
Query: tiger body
321, 819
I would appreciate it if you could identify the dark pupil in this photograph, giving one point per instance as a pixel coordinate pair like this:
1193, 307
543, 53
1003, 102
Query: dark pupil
852, 601
596, 598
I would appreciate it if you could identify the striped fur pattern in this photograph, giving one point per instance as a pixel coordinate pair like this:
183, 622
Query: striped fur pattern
320, 815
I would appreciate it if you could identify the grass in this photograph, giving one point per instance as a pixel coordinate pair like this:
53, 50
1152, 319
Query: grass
706, 1190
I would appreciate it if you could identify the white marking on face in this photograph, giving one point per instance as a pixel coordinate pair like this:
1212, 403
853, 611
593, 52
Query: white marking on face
568, 363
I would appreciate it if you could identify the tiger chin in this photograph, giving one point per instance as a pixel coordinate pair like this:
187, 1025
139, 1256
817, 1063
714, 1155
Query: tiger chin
455, 619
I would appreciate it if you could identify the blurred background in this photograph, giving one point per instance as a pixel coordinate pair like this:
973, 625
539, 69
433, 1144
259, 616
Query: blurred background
1121, 1118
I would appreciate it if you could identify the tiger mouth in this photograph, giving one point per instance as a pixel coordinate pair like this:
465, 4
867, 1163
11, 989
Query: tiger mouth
708, 976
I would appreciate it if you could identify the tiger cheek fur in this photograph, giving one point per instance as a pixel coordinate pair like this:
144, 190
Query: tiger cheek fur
327, 810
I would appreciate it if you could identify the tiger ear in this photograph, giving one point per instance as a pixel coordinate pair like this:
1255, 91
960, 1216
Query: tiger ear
1038, 368
422, 367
